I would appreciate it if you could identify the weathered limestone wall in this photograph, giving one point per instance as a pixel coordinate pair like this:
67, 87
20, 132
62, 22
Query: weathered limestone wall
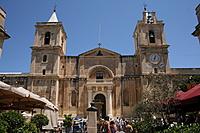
69, 66
192, 71
2, 17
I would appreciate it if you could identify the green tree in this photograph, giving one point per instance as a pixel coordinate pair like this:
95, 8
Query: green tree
3, 126
40, 120
67, 122
158, 96
28, 128
191, 128
147, 126
191, 79
15, 120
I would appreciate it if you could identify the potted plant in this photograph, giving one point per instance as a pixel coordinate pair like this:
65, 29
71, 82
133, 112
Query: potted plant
40, 120
67, 122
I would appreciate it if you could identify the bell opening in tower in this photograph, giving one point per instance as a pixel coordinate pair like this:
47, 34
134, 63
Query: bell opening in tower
151, 37
47, 38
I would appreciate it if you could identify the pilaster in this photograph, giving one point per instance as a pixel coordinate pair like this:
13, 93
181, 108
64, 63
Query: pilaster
89, 95
109, 105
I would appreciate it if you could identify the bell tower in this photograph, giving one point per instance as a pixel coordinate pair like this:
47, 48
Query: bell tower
150, 44
49, 46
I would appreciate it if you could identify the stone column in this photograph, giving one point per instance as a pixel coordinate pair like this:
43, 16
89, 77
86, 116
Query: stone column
109, 102
57, 91
89, 95
92, 119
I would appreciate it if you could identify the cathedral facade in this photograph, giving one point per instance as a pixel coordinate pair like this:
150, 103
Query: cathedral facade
109, 79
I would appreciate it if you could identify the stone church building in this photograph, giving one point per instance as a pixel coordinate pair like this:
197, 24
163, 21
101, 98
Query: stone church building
100, 75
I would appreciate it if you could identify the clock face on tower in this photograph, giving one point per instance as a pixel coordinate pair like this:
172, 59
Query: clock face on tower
154, 58
149, 65
161, 64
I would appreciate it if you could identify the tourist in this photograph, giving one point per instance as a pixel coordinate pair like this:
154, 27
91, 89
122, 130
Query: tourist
128, 128
82, 124
197, 119
121, 124
189, 119
105, 127
113, 127
117, 123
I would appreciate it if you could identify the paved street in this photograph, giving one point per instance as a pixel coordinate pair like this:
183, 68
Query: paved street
63, 131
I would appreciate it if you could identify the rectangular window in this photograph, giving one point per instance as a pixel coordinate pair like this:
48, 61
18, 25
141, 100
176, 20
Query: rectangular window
99, 75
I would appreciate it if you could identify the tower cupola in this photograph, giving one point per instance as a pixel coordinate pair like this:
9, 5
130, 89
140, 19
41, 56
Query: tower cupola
149, 17
53, 17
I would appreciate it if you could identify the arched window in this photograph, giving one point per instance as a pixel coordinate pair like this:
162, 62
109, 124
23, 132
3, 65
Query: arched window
44, 58
125, 98
47, 38
151, 37
43, 72
73, 98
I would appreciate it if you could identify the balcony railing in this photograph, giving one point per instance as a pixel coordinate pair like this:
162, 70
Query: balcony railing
100, 80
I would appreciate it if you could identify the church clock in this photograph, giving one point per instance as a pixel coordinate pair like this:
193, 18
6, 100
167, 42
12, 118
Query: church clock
161, 65
149, 65
154, 58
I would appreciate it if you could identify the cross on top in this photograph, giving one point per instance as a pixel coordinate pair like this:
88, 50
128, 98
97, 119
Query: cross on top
99, 44
145, 6
55, 8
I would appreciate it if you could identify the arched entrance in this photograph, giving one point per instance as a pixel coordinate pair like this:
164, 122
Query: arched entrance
100, 101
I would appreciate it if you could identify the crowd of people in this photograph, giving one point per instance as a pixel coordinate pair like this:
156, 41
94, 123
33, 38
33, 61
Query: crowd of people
108, 125
187, 119
80, 126
114, 125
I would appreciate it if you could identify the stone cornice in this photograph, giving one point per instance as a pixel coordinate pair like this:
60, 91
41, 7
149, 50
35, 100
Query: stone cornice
3, 33
45, 47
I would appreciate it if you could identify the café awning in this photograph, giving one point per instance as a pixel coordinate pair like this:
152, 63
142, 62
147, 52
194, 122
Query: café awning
20, 99
190, 100
194, 92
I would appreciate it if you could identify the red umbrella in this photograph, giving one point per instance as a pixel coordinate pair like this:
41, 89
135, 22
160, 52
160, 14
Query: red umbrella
194, 92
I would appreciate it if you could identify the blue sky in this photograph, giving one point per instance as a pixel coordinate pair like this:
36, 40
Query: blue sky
81, 19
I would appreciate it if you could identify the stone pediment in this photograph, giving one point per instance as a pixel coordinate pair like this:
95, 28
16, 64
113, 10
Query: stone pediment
99, 52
